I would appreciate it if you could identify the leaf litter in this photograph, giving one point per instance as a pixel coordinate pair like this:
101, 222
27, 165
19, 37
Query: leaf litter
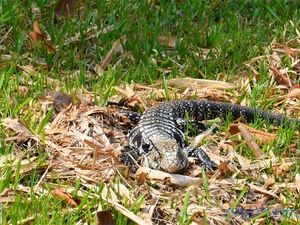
83, 141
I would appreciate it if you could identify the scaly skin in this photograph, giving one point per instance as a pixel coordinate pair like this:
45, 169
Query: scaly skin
159, 139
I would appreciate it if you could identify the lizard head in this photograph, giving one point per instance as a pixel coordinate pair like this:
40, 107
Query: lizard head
168, 156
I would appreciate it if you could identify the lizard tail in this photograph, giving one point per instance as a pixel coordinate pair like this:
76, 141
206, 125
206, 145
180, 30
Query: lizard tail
204, 109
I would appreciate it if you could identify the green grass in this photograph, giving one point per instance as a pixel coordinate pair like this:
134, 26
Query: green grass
236, 30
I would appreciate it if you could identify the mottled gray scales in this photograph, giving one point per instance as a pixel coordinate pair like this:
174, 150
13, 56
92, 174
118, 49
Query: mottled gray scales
158, 138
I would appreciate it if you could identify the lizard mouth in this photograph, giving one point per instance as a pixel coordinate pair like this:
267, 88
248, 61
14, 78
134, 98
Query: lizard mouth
173, 168
177, 167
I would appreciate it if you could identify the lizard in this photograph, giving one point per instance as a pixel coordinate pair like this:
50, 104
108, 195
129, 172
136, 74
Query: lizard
159, 140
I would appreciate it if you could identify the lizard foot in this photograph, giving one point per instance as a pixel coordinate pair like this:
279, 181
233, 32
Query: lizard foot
129, 157
202, 158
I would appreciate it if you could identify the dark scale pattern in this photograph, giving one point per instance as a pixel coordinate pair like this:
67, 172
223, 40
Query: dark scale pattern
159, 139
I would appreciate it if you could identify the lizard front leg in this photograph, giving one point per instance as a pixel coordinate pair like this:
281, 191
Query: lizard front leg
202, 158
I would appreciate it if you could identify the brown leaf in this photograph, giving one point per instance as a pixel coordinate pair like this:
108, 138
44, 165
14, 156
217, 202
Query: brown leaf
263, 137
142, 177
233, 129
36, 27
263, 191
18, 126
296, 86
294, 93
297, 182
170, 41
36, 36
260, 136
64, 8
116, 48
224, 168
269, 181
280, 78
126, 90
250, 140
66, 197
105, 218
289, 51
284, 167
182, 83
255, 205
177, 179
28, 69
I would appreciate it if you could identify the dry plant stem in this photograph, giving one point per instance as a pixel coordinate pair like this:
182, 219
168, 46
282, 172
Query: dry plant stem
43, 176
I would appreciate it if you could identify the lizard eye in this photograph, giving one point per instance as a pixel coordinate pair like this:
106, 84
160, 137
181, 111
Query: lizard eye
145, 147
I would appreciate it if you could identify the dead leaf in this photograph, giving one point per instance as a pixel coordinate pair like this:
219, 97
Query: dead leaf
142, 177
64, 8
169, 41
63, 195
289, 51
49, 47
269, 181
225, 168
255, 205
126, 90
183, 83
297, 182
116, 48
266, 163
37, 36
280, 78
284, 167
250, 140
243, 161
28, 69
262, 190
294, 93
260, 136
176, 179
105, 218
19, 127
